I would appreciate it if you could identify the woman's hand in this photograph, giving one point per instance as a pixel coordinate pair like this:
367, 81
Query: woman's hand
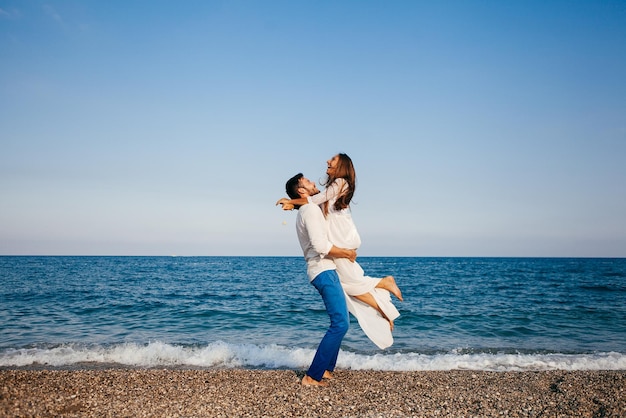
285, 204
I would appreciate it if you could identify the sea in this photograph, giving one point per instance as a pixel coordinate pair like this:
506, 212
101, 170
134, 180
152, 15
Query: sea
495, 314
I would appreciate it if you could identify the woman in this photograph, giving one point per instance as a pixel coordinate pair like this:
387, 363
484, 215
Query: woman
335, 201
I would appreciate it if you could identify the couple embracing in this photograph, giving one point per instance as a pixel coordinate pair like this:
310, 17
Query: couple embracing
329, 240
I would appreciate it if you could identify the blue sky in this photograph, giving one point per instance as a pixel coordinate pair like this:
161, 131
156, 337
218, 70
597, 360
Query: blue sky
477, 128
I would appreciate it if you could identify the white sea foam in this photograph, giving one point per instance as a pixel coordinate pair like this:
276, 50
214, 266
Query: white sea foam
223, 355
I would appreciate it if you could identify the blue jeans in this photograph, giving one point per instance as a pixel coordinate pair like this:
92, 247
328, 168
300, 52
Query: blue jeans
328, 285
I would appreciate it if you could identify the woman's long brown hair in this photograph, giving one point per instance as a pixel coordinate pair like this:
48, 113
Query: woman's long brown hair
344, 170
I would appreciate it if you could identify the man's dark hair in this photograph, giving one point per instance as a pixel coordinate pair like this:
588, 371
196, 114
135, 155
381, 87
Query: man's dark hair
292, 186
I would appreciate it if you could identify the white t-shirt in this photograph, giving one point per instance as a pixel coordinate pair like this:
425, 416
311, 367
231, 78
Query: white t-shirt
313, 236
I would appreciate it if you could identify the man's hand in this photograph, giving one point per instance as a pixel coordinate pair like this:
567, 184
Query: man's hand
351, 255
285, 204
336, 252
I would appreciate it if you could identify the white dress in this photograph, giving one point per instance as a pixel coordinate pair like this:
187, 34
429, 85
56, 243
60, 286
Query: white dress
342, 233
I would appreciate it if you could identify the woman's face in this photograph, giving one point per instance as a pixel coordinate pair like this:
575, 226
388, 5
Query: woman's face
332, 165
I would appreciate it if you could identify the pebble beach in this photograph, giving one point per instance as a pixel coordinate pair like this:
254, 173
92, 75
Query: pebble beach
278, 393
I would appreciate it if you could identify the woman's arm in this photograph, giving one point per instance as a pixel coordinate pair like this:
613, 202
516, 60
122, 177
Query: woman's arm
329, 194
332, 192
289, 204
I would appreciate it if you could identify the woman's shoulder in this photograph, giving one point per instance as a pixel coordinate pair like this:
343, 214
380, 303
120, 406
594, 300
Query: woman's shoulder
340, 181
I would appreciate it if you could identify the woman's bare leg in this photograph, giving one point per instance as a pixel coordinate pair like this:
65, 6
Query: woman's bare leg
389, 283
369, 299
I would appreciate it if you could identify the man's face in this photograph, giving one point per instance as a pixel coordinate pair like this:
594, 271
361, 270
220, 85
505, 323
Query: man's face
309, 186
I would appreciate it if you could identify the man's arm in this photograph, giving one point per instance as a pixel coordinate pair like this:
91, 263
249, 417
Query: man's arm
316, 228
336, 252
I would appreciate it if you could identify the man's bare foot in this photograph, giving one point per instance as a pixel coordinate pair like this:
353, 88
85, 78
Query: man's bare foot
328, 375
390, 285
309, 381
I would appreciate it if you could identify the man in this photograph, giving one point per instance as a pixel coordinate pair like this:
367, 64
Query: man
318, 253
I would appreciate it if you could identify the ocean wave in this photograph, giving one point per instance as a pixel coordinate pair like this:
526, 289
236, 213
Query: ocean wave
224, 355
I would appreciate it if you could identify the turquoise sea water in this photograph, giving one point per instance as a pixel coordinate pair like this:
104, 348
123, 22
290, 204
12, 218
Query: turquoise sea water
261, 312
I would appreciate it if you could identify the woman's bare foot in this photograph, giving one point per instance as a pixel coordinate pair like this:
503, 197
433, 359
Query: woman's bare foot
328, 375
309, 381
389, 283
